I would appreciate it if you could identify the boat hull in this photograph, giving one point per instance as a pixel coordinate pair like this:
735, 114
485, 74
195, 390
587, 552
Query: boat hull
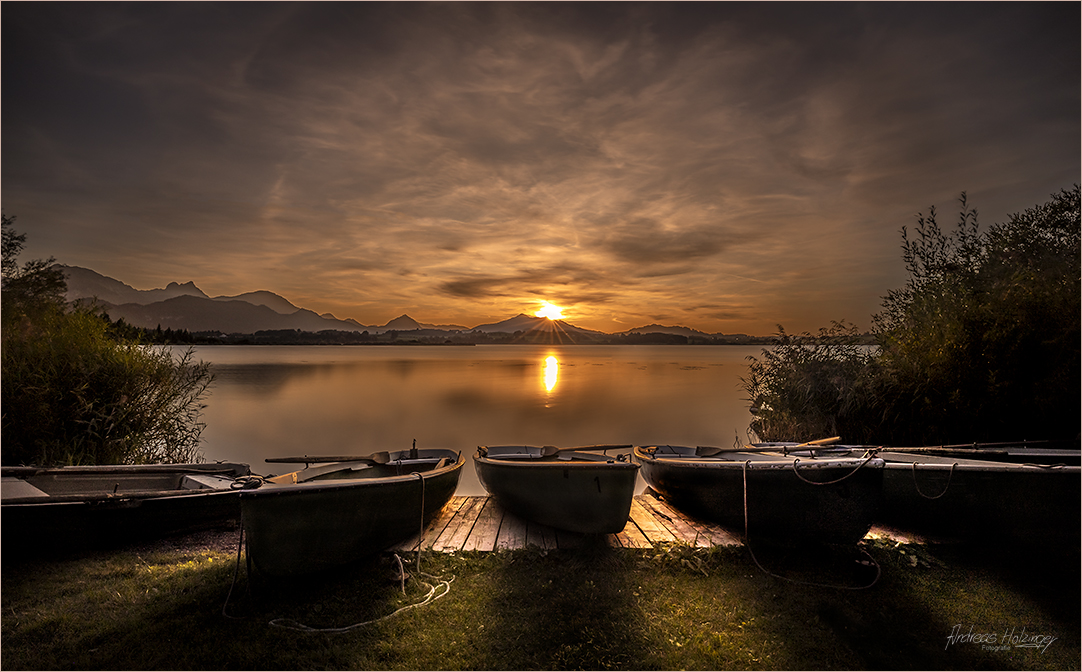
67, 509
301, 528
582, 497
960, 497
780, 505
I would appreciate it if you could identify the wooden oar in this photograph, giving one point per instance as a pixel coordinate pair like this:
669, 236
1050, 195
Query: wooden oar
311, 473
382, 457
967, 448
709, 451
546, 451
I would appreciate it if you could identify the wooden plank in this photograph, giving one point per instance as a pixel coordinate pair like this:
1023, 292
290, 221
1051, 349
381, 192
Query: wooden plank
650, 527
479, 523
709, 533
717, 535
632, 537
675, 523
452, 538
894, 534
720, 536
486, 529
549, 536
445, 518
512, 533
540, 536
435, 527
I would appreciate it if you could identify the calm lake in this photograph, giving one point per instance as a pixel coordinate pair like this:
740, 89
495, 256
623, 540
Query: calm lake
269, 401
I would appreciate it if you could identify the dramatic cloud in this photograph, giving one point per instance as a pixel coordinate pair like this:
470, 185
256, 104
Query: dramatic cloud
722, 165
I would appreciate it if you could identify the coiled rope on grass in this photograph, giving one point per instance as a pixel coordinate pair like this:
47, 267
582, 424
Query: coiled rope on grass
432, 595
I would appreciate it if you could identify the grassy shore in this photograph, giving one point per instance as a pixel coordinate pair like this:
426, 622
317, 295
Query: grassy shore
161, 607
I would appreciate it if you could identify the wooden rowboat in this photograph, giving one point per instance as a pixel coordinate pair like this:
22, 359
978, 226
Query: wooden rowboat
332, 514
1018, 452
795, 498
963, 497
577, 490
75, 508
1014, 491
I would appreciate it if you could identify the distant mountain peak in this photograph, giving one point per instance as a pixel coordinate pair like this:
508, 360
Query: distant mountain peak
185, 306
402, 323
661, 329
263, 298
84, 283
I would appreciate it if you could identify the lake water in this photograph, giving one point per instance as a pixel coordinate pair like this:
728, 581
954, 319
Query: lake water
270, 401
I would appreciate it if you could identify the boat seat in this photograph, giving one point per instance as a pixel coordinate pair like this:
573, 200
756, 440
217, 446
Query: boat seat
416, 461
204, 482
12, 488
311, 473
504, 452
592, 457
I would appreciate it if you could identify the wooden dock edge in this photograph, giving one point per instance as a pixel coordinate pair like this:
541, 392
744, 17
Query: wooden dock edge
479, 523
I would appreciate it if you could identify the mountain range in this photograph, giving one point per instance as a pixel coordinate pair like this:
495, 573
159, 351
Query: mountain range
185, 306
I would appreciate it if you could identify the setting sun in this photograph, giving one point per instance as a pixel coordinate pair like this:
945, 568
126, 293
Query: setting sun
550, 311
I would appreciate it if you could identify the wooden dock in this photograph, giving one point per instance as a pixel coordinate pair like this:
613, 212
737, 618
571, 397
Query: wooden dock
480, 524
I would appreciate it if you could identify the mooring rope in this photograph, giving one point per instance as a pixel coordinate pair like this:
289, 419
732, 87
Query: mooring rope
236, 570
747, 543
432, 595
870, 455
916, 486
421, 530
249, 482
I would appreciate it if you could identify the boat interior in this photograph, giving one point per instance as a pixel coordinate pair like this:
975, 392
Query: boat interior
924, 461
759, 454
364, 469
59, 484
550, 453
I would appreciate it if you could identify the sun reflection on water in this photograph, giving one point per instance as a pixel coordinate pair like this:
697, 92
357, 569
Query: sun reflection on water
551, 373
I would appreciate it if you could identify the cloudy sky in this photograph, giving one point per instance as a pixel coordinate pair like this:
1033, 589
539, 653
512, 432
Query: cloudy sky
722, 166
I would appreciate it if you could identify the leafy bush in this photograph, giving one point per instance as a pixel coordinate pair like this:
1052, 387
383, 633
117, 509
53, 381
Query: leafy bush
982, 343
74, 392
809, 386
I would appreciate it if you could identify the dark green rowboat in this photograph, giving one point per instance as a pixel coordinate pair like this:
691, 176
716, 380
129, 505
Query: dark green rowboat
577, 490
329, 515
786, 498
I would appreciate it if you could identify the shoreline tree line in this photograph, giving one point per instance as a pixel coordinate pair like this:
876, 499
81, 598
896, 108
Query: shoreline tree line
982, 343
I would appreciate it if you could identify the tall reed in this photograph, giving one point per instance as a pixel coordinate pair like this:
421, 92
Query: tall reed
74, 394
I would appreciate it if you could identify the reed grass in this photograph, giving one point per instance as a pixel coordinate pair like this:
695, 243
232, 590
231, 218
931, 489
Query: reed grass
75, 394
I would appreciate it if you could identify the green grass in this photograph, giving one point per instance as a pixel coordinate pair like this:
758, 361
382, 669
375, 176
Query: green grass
592, 608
